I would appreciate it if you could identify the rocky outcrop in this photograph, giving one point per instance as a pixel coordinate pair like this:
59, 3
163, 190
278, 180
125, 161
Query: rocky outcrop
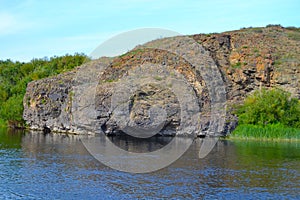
47, 103
87, 99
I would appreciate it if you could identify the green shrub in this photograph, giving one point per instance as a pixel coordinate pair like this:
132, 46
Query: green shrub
272, 106
12, 109
236, 65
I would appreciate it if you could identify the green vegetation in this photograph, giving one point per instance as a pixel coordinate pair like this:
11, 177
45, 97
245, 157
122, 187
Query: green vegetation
237, 65
293, 28
269, 114
14, 77
109, 81
158, 78
271, 131
286, 59
132, 52
257, 30
274, 25
294, 36
294, 33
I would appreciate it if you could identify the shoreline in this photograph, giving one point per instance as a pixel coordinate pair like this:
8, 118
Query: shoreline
263, 139
229, 137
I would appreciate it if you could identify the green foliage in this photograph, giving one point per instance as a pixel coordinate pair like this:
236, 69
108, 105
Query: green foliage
270, 107
236, 65
274, 25
2, 123
12, 109
14, 77
158, 78
270, 131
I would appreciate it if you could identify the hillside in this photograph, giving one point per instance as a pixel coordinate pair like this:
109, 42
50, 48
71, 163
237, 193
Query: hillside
257, 56
247, 59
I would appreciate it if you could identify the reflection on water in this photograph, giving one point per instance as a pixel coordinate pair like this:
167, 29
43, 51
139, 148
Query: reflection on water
143, 162
37, 166
140, 145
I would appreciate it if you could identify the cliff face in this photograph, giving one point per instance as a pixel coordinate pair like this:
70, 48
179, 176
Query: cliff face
84, 100
256, 57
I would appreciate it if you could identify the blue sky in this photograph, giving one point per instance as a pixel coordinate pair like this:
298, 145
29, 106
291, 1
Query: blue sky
37, 28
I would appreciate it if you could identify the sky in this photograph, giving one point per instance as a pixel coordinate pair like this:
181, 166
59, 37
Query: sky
39, 28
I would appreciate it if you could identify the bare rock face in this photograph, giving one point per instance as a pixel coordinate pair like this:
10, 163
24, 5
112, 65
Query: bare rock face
47, 103
138, 89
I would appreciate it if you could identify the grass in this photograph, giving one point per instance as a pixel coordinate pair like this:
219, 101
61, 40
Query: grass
3, 123
158, 78
257, 30
132, 52
268, 132
294, 36
292, 28
109, 81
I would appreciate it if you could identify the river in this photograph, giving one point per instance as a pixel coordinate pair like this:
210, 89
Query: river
57, 166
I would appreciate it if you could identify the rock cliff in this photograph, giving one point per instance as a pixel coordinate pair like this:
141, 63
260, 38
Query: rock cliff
86, 100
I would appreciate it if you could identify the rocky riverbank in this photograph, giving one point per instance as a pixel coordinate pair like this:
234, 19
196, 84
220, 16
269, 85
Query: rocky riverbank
248, 59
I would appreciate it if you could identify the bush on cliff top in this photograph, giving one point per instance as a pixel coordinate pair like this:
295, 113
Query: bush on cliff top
14, 77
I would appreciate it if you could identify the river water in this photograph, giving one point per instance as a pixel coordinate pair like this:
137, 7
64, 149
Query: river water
57, 166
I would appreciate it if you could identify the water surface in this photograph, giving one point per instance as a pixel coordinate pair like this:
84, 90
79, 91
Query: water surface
57, 166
